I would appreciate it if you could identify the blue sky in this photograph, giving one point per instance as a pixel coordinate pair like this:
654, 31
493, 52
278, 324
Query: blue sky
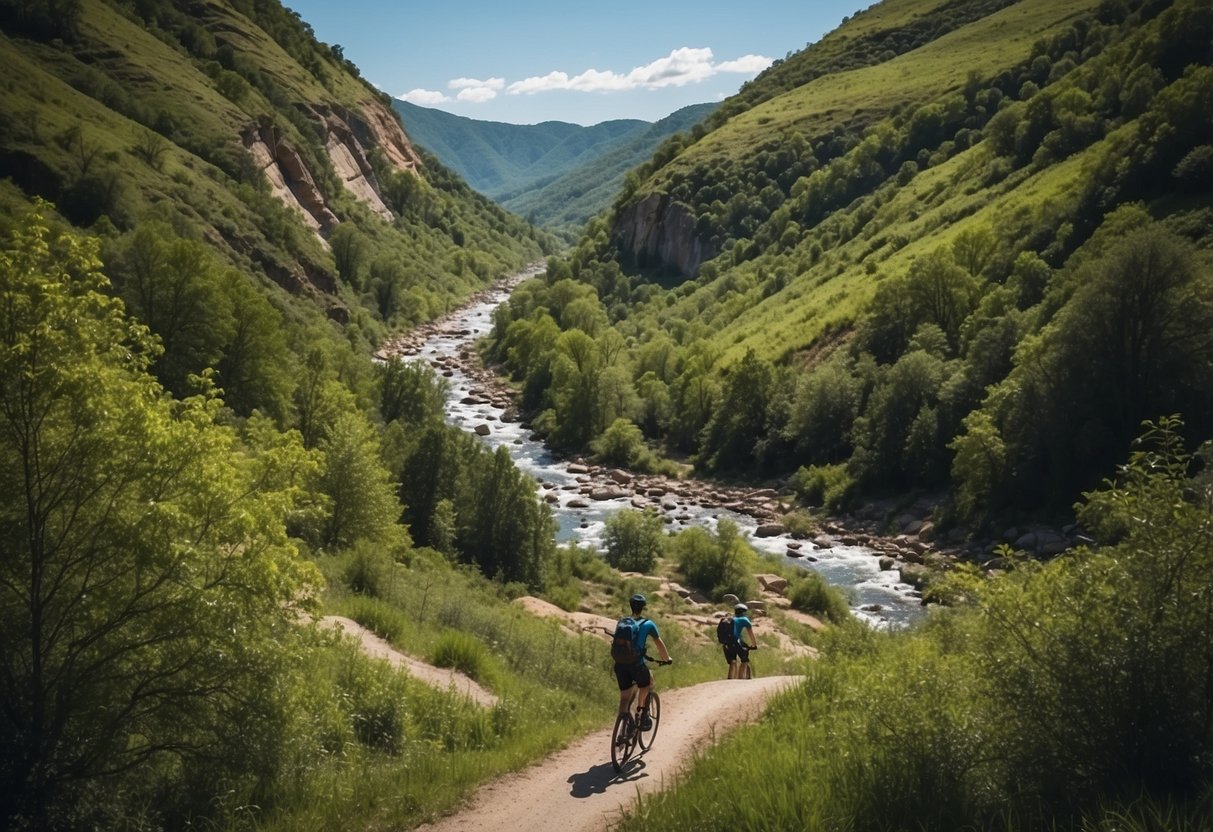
529, 61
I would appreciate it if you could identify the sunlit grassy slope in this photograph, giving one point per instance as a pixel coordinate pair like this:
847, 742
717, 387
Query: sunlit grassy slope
868, 94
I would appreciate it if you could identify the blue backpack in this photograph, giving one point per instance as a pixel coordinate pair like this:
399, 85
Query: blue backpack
624, 648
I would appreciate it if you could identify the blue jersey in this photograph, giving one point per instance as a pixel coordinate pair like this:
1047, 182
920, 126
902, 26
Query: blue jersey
740, 622
647, 628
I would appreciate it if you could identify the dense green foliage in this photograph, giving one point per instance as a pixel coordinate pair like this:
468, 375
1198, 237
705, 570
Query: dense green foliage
1070, 694
199, 143
984, 288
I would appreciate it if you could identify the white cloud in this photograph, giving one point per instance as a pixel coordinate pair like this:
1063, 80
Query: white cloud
475, 90
476, 83
746, 64
476, 95
424, 98
682, 66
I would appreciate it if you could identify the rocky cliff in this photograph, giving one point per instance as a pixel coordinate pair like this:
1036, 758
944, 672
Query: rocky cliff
349, 136
658, 231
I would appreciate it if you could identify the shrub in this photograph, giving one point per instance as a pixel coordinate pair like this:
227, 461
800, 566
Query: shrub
716, 565
463, 652
633, 540
814, 595
829, 486
382, 618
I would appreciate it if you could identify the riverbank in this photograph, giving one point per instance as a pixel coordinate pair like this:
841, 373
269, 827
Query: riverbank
890, 549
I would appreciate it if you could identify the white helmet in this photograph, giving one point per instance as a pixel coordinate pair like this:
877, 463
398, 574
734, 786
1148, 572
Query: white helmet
741, 608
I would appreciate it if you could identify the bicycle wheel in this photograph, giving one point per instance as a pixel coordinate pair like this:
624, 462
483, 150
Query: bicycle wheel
646, 737
623, 741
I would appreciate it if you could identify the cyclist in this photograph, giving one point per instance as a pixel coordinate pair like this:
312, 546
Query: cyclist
739, 655
638, 672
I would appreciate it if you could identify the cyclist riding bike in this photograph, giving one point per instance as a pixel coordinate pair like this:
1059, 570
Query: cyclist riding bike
637, 673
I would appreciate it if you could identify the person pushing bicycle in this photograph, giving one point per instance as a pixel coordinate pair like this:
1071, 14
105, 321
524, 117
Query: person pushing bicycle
630, 668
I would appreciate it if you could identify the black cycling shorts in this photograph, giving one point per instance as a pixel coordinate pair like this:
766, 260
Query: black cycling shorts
735, 651
633, 674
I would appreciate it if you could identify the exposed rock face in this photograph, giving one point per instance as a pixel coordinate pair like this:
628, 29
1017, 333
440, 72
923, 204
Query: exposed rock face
349, 136
659, 231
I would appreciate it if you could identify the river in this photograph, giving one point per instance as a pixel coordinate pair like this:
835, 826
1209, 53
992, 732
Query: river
878, 597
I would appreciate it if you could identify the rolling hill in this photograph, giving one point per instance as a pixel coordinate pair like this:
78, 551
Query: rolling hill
555, 174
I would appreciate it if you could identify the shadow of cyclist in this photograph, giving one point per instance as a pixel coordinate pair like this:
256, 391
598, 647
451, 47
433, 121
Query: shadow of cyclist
596, 779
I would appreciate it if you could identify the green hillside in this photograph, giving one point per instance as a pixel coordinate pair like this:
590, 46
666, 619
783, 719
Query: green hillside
863, 265
567, 202
235, 127
555, 174
499, 159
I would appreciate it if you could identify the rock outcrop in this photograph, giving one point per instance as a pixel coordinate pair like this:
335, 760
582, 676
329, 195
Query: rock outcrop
349, 136
659, 231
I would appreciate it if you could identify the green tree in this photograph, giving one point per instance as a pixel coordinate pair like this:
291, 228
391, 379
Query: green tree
148, 590
715, 564
174, 286
740, 419
360, 496
633, 540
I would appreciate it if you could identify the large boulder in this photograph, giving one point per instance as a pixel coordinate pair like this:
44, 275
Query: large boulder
773, 583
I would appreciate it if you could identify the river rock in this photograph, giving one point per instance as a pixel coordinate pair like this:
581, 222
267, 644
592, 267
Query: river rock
610, 492
619, 476
773, 583
769, 530
482, 429
577, 502
794, 553
887, 563
915, 574
577, 468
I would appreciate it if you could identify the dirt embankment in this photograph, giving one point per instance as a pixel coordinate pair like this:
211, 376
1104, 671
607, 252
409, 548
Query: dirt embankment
439, 677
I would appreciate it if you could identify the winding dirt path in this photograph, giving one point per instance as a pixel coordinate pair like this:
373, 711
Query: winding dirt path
577, 790
440, 677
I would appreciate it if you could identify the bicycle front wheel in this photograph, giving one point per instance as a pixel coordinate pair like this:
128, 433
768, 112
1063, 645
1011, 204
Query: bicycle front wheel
623, 741
646, 737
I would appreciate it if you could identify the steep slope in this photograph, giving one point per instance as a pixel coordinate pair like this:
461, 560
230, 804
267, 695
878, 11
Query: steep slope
566, 203
500, 159
231, 123
881, 261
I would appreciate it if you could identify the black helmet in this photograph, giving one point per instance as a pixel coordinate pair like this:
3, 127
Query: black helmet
639, 599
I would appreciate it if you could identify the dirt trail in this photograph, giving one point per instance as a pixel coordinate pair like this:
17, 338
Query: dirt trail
577, 790
439, 677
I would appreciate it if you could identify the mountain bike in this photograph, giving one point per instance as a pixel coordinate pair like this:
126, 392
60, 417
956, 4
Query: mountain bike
627, 736
747, 669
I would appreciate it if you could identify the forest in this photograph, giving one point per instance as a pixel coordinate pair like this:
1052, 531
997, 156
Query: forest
995, 288
866, 331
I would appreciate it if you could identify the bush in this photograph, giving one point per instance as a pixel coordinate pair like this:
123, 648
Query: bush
369, 571
463, 652
829, 486
814, 595
716, 565
382, 618
633, 540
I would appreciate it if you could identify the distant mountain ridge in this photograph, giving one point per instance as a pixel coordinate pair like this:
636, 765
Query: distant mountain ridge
555, 173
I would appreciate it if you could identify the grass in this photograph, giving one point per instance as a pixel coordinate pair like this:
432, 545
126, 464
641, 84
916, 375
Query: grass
985, 46
419, 751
